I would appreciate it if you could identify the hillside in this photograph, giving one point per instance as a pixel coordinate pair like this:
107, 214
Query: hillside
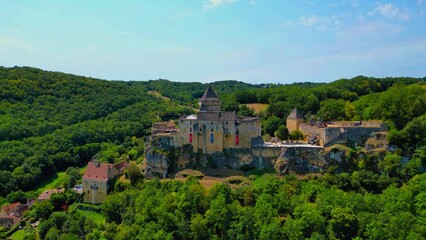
52, 121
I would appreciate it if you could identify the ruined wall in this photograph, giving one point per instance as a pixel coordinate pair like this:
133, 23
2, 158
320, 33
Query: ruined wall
343, 132
309, 131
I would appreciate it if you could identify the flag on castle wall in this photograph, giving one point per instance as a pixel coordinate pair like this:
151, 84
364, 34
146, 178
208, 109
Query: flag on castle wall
190, 138
237, 140
211, 138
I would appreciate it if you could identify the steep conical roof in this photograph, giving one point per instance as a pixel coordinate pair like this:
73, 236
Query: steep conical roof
295, 114
209, 96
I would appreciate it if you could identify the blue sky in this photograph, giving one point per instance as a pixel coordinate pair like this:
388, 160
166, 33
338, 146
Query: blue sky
255, 41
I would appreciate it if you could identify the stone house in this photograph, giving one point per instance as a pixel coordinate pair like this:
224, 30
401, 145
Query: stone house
97, 179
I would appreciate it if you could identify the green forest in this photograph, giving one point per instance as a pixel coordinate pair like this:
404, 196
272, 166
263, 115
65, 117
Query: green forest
52, 122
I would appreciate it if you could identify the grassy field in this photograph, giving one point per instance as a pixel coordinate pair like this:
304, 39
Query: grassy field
51, 182
96, 217
155, 93
18, 235
54, 181
258, 107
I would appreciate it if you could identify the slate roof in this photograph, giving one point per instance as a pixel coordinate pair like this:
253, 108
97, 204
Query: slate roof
295, 114
216, 116
209, 96
208, 116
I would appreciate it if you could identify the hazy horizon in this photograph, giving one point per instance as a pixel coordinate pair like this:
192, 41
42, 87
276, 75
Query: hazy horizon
206, 41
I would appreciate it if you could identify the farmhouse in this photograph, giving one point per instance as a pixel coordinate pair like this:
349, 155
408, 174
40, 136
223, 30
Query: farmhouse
97, 179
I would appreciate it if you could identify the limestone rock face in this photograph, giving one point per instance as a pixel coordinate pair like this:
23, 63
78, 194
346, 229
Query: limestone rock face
300, 160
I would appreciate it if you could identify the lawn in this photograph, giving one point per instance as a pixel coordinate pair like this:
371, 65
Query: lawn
258, 107
54, 181
96, 217
51, 182
18, 235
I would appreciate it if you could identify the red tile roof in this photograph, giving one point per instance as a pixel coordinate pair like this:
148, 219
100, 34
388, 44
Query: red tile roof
97, 171
11, 207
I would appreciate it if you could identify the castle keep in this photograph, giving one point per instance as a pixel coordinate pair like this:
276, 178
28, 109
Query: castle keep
212, 130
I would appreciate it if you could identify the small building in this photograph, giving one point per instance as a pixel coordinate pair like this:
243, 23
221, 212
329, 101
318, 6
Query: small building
48, 193
12, 214
7, 222
17, 209
96, 180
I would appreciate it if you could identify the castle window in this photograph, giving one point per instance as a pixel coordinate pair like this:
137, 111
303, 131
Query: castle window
212, 129
226, 123
212, 123
190, 129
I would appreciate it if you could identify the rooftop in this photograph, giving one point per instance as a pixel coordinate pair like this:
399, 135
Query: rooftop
48, 193
209, 96
295, 114
97, 171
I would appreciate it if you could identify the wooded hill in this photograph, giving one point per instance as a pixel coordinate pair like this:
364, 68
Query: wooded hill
50, 121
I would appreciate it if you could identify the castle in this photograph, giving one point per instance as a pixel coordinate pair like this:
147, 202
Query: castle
213, 130
215, 138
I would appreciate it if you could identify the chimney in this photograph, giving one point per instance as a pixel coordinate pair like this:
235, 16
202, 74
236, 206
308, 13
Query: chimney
96, 163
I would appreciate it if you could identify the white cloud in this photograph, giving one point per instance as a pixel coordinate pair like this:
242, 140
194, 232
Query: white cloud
309, 21
390, 10
216, 3
320, 23
181, 15
366, 32
13, 43
352, 3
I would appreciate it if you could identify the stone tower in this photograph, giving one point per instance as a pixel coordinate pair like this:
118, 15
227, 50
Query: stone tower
293, 120
209, 102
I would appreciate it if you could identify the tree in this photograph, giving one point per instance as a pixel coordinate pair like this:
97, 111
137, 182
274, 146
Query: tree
246, 111
271, 124
18, 196
282, 133
296, 135
42, 210
218, 217
343, 224
73, 174
134, 173
391, 164
7, 183
58, 200
332, 109
198, 226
